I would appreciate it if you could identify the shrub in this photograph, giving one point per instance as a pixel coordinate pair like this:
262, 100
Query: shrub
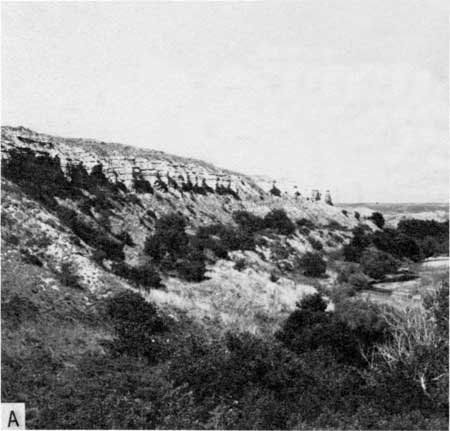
376, 263
378, 219
224, 238
345, 212
18, 309
142, 276
405, 246
313, 264
349, 333
359, 281
412, 368
192, 269
315, 244
248, 222
275, 191
68, 277
346, 271
240, 264
357, 216
136, 324
30, 258
305, 223
430, 246
169, 240
278, 220
274, 277
98, 256
125, 237
334, 225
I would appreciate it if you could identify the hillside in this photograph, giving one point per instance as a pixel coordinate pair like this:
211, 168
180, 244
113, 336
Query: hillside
139, 186
135, 283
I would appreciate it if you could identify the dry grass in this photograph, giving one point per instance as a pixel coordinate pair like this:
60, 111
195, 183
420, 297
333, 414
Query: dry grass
413, 330
234, 300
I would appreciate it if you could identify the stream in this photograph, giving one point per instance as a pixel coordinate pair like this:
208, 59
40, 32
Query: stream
406, 293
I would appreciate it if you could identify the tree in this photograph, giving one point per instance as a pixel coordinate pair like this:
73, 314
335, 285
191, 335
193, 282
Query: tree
313, 264
169, 240
278, 220
378, 219
376, 263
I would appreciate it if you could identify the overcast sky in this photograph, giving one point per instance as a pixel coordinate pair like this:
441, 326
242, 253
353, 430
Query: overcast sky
346, 95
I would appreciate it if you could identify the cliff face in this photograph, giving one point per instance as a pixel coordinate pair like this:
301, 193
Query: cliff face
212, 191
51, 186
124, 164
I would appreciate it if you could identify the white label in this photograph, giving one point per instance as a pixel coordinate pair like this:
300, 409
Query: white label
13, 416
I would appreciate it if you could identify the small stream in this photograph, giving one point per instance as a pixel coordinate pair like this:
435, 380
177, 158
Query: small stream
404, 293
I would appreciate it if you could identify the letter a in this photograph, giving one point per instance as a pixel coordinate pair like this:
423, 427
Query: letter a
12, 419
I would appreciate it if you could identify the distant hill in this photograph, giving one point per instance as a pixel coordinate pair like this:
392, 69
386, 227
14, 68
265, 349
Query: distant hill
394, 212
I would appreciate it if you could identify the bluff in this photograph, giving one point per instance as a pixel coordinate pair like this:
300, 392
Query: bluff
73, 208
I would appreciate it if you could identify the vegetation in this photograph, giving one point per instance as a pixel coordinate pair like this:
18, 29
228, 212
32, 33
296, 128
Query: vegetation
376, 263
412, 240
315, 244
81, 361
278, 220
356, 367
304, 222
143, 276
378, 219
313, 264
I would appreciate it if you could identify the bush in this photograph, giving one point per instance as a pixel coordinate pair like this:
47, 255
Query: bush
192, 269
357, 216
68, 277
349, 333
376, 263
346, 271
170, 240
240, 264
125, 237
334, 225
30, 258
378, 219
143, 276
305, 223
17, 310
359, 281
313, 264
248, 222
430, 246
278, 220
315, 244
136, 324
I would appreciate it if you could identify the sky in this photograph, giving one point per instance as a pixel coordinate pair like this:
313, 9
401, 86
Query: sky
350, 96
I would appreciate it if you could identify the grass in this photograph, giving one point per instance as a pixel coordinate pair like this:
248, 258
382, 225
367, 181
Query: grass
233, 300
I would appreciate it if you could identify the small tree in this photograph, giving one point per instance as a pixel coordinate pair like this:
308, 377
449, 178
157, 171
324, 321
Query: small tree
169, 240
278, 220
376, 263
378, 219
248, 222
313, 264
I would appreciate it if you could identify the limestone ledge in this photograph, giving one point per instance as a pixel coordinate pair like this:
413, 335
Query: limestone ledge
118, 167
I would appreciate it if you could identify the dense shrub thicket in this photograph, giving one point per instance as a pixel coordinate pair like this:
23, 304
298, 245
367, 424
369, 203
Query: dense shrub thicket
173, 249
378, 219
276, 220
349, 334
144, 276
412, 239
42, 178
338, 369
137, 326
313, 264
